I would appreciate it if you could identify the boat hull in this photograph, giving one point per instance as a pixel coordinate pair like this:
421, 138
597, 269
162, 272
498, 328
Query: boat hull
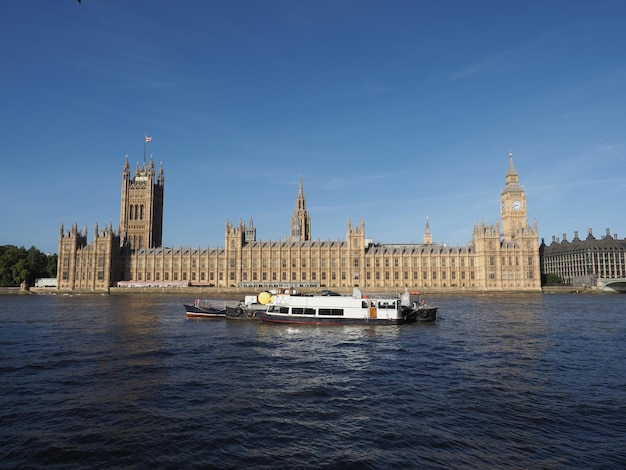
241, 313
316, 320
195, 311
421, 314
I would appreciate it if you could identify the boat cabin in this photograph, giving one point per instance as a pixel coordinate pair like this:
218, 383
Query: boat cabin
334, 306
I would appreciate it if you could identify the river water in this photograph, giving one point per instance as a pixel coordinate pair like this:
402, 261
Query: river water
522, 382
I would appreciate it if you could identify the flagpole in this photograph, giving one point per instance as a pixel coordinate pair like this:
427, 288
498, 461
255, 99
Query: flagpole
146, 139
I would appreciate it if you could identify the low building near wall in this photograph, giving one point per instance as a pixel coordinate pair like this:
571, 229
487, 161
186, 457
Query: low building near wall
46, 282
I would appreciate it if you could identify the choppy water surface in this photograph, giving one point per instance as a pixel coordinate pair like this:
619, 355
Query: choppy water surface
119, 381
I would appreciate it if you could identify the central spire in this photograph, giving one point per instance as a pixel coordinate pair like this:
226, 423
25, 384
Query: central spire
300, 202
300, 220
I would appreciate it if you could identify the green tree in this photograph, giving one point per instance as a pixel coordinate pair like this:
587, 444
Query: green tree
553, 280
51, 265
9, 256
20, 271
35, 263
19, 264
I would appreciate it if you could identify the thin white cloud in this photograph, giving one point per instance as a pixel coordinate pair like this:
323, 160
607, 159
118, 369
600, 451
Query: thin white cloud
484, 64
611, 149
499, 59
356, 180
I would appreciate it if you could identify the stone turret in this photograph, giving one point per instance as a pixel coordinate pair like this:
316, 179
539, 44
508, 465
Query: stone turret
428, 237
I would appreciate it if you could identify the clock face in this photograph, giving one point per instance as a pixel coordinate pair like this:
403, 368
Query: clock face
517, 205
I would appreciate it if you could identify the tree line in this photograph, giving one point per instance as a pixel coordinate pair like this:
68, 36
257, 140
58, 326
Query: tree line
19, 264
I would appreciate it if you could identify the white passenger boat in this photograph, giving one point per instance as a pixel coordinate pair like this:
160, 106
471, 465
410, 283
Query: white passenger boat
339, 309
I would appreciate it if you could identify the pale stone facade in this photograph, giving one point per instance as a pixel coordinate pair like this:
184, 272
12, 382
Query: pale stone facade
498, 257
141, 213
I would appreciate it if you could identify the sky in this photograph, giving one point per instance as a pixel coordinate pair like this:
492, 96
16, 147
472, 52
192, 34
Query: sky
396, 112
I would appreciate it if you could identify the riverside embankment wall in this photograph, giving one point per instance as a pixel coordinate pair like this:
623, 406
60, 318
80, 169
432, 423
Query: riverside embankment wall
238, 293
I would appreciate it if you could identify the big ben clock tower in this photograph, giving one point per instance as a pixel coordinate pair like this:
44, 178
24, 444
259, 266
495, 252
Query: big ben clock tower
513, 205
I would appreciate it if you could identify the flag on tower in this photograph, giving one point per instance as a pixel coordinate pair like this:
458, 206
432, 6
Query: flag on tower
148, 139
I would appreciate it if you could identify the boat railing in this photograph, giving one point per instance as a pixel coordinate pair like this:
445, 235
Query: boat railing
216, 304
382, 296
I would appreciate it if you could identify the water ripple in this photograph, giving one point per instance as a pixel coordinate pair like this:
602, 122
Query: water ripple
105, 381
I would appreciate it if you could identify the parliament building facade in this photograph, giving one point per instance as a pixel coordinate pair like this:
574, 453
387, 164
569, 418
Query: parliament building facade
500, 257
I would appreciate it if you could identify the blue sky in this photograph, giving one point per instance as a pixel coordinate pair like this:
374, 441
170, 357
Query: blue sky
392, 111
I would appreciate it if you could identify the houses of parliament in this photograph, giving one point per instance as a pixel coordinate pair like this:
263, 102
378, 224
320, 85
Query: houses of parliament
500, 257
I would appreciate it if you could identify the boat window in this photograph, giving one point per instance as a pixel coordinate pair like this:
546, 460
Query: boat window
303, 311
387, 304
331, 311
364, 304
277, 309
